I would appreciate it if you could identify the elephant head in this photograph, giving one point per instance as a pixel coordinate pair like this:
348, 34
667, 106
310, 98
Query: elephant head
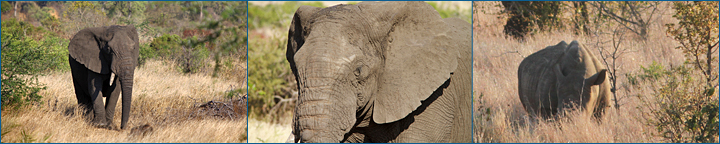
374, 59
110, 49
569, 74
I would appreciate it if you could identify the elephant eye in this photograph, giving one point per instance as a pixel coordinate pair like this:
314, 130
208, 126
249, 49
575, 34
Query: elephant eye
357, 71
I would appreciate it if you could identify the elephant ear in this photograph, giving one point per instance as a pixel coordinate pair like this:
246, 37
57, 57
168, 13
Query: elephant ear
299, 29
86, 47
419, 58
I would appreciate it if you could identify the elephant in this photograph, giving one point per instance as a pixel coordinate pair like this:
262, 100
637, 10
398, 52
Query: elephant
561, 77
380, 72
95, 55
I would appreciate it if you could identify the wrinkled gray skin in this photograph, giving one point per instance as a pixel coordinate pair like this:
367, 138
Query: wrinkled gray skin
380, 72
95, 54
562, 76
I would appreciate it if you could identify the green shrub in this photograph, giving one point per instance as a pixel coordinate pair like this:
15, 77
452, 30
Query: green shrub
146, 53
275, 15
6, 7
53, 48
684, 108
165, 46
448, 12
189, 59
44, 17
680, 107
26, 52
268, 72
192, 59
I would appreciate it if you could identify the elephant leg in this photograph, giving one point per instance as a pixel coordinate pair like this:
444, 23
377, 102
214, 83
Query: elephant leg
96, 82
112, 93
79, 76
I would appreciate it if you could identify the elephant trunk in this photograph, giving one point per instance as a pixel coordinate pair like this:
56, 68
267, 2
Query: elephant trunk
126, 76
324, 112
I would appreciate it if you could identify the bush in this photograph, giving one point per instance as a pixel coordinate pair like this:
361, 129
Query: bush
192, 58
26, 52
448, 12
165, 46
680, 107
528, 16
146, 53
685, 109
189, 59
269, 72
275, 15
43, 16
6, 7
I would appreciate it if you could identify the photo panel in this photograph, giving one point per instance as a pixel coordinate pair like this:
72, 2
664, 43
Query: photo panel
124, 71
595, 71
337, 71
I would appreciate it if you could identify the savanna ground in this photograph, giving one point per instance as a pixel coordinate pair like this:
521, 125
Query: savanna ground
189, 87
499, 115
272, 84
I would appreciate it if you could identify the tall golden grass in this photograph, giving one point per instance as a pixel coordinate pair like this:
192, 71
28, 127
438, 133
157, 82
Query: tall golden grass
163, 97
499, 115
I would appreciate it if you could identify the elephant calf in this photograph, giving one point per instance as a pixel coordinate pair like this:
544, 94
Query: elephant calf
380, 72
561, 76
95, 53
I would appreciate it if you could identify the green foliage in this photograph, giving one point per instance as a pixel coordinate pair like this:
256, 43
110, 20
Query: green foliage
268, 74
685, 109
5, 6
83, 14
227, 35
697, 33
276, 15
146, 53
165, 46
681, 108
162, 13
26, 52
448, 11
82, 8
45, 18
192, 57
529, 16
127, 12
234, 94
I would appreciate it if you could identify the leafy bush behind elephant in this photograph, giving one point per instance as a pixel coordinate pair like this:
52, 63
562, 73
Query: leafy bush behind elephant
380, 72
560, 76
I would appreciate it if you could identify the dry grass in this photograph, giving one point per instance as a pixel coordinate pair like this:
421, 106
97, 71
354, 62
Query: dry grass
163, 98
496, 59
267, 132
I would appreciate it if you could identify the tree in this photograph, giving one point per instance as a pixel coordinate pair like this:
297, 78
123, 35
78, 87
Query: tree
525, 15
129, 12
685, 109
635, 16
84, 14
697, 33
